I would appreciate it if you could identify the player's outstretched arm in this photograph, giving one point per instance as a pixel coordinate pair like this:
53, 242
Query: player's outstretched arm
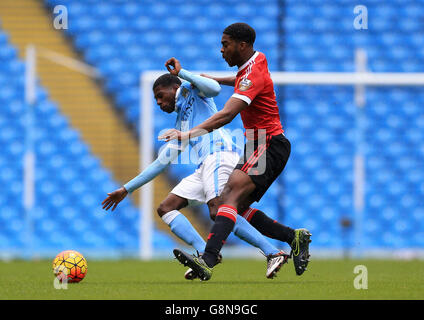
232, 107
207, 86
165, 157
226, 81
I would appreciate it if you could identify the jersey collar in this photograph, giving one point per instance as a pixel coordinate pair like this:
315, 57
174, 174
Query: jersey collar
177, 95
249, 61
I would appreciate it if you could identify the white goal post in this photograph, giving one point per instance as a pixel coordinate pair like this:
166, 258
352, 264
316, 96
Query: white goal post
359, 80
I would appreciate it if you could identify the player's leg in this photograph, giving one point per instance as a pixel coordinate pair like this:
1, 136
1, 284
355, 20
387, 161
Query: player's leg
170, 203
245, 185
224, 223
277, 155
215, 177
236, 191
169, 212
267, 226
245, 231
297, 239
217, 171
248, 180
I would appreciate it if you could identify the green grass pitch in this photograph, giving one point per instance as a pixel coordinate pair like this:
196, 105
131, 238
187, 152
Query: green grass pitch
234, 279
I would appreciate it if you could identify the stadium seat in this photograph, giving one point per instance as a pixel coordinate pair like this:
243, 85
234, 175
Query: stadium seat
70, 181
319, 121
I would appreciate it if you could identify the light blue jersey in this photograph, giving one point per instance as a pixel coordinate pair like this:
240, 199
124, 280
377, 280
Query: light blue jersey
193, 108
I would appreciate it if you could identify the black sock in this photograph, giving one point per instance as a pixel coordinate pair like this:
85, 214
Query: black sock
271, 228
224, 224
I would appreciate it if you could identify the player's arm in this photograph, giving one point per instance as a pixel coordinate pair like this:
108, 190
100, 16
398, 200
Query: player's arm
165, 157
231, 108
227, 81
207, 86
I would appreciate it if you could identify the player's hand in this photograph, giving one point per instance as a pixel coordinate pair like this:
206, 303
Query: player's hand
114, 198
174, 134
175, 64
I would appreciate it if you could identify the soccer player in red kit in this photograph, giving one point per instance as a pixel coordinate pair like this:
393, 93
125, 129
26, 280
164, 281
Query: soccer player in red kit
265, 155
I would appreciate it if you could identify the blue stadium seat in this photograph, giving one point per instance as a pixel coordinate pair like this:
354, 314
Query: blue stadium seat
320, 122
65, 170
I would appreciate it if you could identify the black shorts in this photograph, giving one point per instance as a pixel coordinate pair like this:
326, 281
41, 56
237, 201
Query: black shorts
263, 160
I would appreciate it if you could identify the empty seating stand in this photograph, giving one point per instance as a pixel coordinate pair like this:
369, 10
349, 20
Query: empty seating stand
124, 39
70, 183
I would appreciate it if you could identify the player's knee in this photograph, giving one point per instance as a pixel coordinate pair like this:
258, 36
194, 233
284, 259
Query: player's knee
213, 208
212, 212
226, 193
232, 194
162, 209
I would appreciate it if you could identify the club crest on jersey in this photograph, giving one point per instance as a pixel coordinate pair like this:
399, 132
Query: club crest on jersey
245, 84
184, 92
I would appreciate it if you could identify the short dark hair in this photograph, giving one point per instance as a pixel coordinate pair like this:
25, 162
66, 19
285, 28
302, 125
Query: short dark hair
241, 32
167, 80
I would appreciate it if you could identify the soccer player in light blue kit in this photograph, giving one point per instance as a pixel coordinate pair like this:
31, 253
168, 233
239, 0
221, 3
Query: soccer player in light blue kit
217, 156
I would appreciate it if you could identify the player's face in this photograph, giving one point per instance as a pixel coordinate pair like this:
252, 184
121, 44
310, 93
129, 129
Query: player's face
230, 50
165, 98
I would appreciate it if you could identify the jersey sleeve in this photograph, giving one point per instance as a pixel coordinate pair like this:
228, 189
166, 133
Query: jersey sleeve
248, 86
206, 87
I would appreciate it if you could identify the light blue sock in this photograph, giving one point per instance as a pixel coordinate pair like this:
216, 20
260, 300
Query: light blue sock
245, 231
184, 230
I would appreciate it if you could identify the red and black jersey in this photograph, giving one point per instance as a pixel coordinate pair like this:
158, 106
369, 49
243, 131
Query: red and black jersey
254, 86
